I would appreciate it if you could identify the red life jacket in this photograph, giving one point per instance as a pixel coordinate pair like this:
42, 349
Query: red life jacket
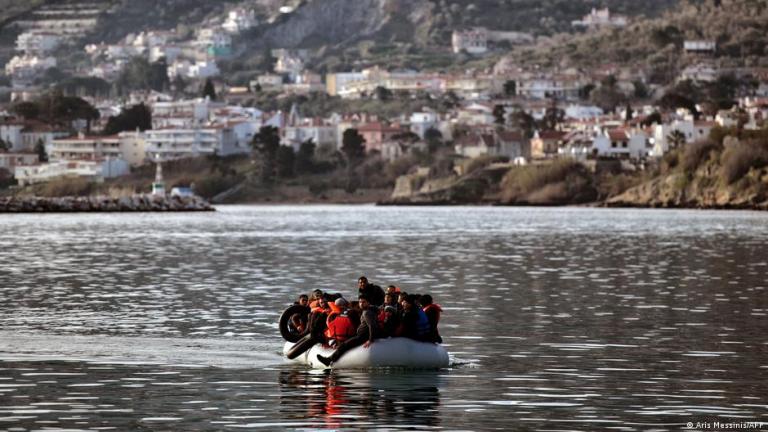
340, 328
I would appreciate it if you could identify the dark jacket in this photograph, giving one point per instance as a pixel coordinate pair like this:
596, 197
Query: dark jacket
415, 324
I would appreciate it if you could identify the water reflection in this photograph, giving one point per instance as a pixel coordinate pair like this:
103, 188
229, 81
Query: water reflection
345, 398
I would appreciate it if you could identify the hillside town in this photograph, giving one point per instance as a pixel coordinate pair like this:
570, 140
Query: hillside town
518, 114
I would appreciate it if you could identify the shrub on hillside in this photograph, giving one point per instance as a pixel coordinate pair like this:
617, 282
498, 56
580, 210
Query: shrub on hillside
561, 182
213, 185
697, 153
476, 164
738, 159
65, 186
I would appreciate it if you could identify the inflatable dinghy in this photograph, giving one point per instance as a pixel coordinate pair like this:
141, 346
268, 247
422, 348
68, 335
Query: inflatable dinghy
392, 352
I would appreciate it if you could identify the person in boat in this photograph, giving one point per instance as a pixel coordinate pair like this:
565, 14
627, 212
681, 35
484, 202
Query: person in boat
433, 312
392, 290
303, 300
389, 322
371, 291
367, 332
316, 296
318, 318
340, 326
414, 323
390, 300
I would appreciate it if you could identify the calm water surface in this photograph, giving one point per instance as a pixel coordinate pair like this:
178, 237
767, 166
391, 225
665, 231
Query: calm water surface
556, 319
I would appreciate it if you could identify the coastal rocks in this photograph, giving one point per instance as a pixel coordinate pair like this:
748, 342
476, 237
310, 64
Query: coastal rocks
135, 203
678, 191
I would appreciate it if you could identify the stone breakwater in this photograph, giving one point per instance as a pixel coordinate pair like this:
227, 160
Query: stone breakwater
136, 203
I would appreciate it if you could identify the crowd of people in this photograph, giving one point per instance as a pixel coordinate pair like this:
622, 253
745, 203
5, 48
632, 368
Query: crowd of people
376, 314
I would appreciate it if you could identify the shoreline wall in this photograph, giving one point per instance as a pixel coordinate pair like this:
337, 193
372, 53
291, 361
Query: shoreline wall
135, 203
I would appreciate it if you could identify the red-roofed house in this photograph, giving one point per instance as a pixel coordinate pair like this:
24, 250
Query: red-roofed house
376, 133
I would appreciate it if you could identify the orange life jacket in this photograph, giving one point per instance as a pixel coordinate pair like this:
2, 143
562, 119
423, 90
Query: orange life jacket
340, 327
313, 304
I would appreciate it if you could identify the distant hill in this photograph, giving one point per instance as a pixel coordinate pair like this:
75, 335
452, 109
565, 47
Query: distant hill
739, 28
417, 33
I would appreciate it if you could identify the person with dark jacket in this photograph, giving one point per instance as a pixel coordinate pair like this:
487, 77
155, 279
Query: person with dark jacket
371, 291
433, 312
367, 332
414, 323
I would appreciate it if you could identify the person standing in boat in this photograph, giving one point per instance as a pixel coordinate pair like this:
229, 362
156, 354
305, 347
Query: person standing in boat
373, 292
433, 312
367, 332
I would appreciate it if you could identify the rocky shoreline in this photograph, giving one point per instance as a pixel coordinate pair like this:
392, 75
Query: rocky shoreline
135, 203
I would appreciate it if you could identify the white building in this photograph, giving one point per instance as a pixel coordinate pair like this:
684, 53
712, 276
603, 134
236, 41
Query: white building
37, 43
689, 131
600, 18
582, 112
472, 41
197, 70
178, 143
320, 132
700, 46
239, 20
25, 67
84, 147
10, 160
96, 170
621, 143
421, 122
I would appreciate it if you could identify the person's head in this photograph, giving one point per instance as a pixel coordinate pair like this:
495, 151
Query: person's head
392, 289
316, 294
364, 302
400, 297
362, 282
342, 304
389, 298
303, 299
425, 300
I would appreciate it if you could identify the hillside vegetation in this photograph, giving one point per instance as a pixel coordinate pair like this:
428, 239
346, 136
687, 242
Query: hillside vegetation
738, 26
728, 171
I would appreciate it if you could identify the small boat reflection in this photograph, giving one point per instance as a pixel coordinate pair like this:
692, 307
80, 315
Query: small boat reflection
341, 398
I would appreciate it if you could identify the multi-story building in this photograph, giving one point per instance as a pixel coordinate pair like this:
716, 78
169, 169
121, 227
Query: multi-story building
472, 41
83, 147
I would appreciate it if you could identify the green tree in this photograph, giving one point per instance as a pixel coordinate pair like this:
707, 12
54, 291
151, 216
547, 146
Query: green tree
28, 110
676, 139
353, 148
285, 160
382, 93
305, 157
641, 90
434, 139
209, 90
523, 121
132, 118
42, 155
266, 144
